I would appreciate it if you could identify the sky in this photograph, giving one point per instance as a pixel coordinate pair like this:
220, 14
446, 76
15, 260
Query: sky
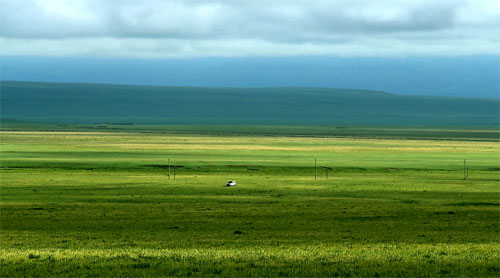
286, 42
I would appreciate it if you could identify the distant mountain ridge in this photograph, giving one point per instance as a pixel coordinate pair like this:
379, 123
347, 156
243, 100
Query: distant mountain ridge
100, 103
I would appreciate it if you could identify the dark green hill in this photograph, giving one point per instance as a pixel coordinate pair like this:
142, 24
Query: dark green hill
100, 103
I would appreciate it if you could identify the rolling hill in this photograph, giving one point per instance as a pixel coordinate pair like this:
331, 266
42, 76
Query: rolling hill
123, 104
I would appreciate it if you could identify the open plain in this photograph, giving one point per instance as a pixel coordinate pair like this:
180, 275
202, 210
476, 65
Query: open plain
102, 204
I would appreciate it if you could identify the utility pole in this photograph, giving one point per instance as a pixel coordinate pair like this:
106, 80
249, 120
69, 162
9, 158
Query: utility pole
169, 168
326, 170
465, 169
315, 169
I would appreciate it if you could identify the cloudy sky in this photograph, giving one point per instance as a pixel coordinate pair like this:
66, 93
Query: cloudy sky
187, 28
46, 31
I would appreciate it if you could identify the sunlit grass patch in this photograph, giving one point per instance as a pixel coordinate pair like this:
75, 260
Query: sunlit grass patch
99, 204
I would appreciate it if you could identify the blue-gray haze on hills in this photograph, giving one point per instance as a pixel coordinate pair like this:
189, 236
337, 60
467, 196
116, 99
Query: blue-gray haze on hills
471, 76
105, 103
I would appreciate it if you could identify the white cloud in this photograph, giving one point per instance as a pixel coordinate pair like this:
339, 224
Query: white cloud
249, 28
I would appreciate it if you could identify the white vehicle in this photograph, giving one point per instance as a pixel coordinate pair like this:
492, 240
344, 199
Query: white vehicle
231, 183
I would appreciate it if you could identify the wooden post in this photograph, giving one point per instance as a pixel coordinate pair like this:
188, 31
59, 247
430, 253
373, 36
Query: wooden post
169, 168
174, 172
315, 168
467, 170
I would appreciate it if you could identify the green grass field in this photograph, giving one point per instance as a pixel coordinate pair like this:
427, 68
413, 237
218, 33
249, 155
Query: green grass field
101, 204
475, 133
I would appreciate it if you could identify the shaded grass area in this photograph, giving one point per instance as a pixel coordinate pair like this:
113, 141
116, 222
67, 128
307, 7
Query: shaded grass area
474, 133
101, 204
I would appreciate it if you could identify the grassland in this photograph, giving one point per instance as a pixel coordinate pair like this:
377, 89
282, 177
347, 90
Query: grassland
375, 132
101, 204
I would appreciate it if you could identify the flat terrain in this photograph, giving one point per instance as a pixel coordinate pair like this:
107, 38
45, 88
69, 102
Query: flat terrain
377, 132
101, 204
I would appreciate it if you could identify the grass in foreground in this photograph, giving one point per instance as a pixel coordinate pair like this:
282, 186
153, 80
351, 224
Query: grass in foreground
101, 204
